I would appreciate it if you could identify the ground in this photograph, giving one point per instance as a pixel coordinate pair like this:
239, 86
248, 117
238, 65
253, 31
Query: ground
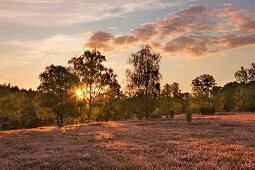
225, 141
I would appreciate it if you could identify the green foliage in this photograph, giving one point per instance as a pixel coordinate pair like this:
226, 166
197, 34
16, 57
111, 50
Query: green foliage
94, 77
57, 92
5, 126
144, 78
189, 117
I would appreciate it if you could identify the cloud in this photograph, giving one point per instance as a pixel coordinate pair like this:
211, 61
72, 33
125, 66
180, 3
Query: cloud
66, 12
145, 31
113, 28
125, 40
193, 46
244, 22
227, 4
100, 41
234, 41
54, 49
87, 33
192, 31
192, 19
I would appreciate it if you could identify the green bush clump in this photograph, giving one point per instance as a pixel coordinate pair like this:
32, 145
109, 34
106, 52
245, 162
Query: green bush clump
5, 126
189, 117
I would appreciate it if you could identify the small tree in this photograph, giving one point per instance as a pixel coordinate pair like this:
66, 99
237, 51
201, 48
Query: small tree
56, 91
145, 77
202, 90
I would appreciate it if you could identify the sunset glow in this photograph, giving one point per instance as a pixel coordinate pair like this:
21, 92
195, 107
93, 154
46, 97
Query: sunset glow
79, 93
190, 35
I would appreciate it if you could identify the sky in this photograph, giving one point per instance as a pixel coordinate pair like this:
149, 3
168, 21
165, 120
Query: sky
194, 37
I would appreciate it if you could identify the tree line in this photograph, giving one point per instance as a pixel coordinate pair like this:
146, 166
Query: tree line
86, 91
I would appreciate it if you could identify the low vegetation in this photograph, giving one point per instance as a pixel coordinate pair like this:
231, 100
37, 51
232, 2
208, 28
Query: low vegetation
219, 141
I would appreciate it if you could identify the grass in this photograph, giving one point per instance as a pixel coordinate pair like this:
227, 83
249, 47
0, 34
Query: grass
221, 141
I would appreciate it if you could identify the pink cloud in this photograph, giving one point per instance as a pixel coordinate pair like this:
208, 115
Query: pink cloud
145, 31
192, 27
193, 47
100, 41
192, 19
235, 41
125, 40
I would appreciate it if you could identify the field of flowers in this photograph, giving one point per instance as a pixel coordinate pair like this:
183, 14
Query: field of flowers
224, 141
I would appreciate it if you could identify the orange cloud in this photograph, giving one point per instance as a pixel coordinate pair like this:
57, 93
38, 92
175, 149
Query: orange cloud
87, 33
227, 4
113, 28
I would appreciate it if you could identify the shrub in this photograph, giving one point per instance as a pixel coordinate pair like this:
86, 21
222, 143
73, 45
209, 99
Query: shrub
11, 127
171, 114
5, 126
206, 110
35, 122
156, 116
189, 117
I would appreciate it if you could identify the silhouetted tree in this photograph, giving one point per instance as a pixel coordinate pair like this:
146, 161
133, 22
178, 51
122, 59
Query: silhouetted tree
202, 90
251, 72
57, 90
145, 77
203, 85
242, 75
166, 92
93, 75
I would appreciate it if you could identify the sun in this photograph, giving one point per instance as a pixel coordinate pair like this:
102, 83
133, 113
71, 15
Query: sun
79, 93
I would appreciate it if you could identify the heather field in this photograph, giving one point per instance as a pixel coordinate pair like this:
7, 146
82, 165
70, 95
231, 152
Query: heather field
224, 141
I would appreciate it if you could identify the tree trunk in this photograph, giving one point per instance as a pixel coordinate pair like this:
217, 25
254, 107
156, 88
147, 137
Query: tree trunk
58, 119
90, 105
61, 120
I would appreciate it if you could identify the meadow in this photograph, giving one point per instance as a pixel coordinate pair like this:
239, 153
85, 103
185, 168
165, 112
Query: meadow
223, 140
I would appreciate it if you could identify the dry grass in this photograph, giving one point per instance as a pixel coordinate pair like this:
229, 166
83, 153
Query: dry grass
209, 142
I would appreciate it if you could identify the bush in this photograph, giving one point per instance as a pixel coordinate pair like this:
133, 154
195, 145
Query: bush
206, 110
72, 121
5, 126
156, 116
11, 127
171, 114
189, 117
35, 122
